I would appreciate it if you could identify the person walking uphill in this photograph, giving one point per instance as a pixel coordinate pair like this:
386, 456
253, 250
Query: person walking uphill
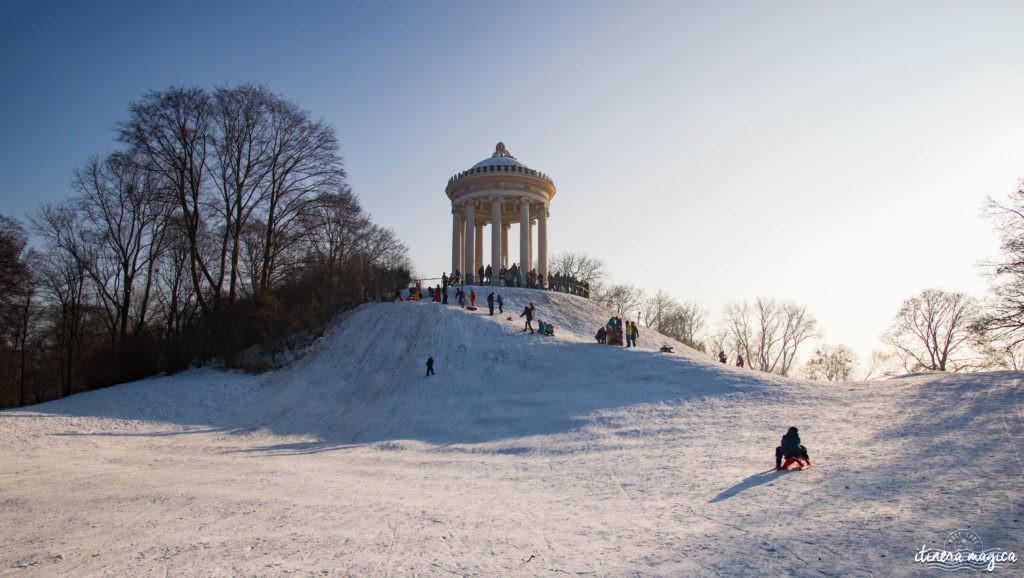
528, 313
430, 366
490, 302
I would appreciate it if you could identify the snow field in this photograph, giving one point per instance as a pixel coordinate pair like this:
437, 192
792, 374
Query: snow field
524, 455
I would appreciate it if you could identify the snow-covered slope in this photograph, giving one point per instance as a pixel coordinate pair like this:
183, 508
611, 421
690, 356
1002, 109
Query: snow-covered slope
523, 455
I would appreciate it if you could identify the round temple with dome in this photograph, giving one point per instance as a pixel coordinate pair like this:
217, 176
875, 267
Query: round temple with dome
499, 191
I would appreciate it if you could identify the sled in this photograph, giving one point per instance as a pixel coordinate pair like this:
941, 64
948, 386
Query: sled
470, 307
801, 464
666, 349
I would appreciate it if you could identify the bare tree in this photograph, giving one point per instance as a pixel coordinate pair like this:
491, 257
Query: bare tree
1002, 322
303, 163
680, 321
656, 309
880, 364
63, 279
121, 232
16, 293
797, 326
719, 342
831, 363
241, 145
581, 267
931, 330
740, 330
171, 130
624, 300
768, 335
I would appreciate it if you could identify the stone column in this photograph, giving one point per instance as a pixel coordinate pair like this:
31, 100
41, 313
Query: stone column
469, 242
542, 242
496, 228
504, 244
456, 241
479, 251
529, 235
524, 236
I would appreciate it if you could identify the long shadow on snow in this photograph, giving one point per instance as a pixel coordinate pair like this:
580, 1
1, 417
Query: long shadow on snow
496, 385
962, 447
753, 481
202, 406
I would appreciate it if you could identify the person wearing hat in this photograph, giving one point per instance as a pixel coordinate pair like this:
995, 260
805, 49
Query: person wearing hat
791, 448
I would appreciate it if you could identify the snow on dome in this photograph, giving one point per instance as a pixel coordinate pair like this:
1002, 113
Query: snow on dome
500, 157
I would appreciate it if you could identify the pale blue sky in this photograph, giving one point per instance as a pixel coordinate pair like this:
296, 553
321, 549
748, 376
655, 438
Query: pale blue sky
832, 153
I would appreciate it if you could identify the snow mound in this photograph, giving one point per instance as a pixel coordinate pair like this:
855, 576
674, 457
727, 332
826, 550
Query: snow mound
523, 455
365, 381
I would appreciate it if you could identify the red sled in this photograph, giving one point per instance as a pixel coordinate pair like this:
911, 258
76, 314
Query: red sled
470, 307
801, 464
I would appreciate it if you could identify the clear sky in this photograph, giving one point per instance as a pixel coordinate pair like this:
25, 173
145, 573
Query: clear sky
836, 154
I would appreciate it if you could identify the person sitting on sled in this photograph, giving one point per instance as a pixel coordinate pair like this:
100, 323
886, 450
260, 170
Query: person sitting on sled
792, 450
601, 336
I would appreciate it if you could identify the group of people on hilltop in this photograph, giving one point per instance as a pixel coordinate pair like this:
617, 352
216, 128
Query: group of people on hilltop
615, 330
514, 277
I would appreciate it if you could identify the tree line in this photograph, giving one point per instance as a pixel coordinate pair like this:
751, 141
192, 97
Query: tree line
935, 330
223, 222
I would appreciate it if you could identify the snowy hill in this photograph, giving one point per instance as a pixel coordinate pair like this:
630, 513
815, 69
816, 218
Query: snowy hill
524, 455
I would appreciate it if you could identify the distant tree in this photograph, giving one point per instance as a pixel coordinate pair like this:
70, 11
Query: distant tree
121, 227
680, 321
656, 309
63, 281
16, 293
304, 165
880, 364
172, 130
1003, 319
579, 266
932, 330
13, 270
831, 363
720, 341
624, 300
769, 334
240, 146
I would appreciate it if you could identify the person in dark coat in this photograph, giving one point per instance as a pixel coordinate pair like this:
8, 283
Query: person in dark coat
430, 365
790, 448
528, 313
490, 302
601, 336
722, 357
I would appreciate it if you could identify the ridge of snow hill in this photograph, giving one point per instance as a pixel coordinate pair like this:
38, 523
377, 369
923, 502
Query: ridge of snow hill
523, 455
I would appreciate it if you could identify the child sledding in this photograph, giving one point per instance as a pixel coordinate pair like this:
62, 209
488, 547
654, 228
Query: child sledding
792, 451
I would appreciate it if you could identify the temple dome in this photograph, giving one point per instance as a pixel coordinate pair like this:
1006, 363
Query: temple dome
501, 157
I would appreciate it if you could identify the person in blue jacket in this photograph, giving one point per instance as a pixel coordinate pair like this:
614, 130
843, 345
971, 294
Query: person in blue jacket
790, 448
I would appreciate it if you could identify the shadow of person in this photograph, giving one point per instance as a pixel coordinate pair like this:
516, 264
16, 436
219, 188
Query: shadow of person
749, 482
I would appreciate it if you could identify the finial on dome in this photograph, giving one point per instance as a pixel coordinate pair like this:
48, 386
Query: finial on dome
500, 151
